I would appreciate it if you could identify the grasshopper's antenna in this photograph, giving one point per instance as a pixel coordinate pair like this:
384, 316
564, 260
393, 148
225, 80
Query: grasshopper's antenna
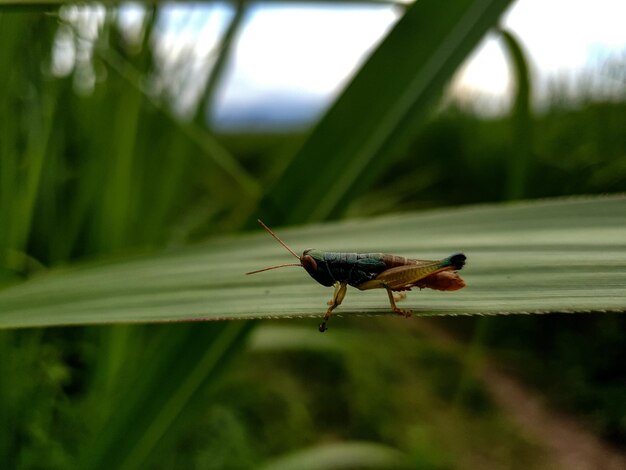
278, 240
273, 267
283, 244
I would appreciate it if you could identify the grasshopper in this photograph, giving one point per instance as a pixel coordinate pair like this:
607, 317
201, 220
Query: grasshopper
366, 271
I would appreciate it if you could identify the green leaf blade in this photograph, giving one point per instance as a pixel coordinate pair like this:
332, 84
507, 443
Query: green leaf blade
549, 256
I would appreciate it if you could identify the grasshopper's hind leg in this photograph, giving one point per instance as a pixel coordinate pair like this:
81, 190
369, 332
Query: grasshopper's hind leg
394, 307
338, 295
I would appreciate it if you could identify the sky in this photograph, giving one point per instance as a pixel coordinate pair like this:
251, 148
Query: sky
295, 58
586, 36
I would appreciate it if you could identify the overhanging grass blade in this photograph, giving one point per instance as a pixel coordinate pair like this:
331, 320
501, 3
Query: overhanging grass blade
558, 255
380, 108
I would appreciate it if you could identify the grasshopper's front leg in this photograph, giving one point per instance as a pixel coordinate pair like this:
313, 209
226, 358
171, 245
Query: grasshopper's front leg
338, 296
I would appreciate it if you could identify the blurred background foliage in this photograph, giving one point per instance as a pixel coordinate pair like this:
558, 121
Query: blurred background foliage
96, 160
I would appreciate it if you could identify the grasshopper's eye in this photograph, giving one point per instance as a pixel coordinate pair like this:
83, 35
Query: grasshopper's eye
308, 262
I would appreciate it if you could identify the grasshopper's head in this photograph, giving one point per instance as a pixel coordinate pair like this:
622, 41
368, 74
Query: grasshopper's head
309, 260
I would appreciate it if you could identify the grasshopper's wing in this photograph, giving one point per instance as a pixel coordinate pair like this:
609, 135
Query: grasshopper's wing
404, 277
442, 280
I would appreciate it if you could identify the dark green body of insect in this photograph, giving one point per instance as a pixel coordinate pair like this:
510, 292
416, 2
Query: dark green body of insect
375, 270
355, 269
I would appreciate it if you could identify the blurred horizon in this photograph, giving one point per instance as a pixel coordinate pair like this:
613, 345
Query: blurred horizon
269, 83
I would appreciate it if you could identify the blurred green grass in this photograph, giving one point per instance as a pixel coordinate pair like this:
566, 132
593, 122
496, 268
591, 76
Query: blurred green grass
112, 170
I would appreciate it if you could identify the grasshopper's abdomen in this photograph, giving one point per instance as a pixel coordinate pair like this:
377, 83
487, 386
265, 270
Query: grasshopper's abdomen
420, 273
392, 261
